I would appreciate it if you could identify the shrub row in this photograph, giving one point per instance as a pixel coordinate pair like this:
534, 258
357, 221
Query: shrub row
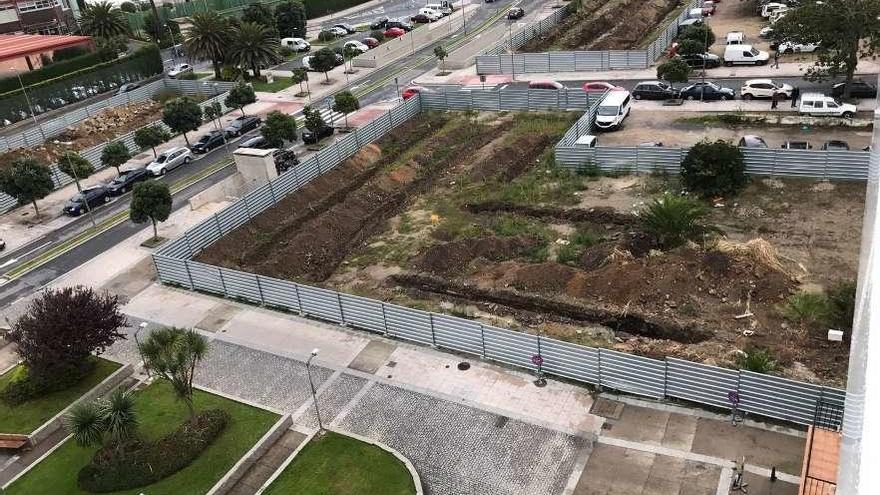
318, 8
141, 463
26, 386
55, 70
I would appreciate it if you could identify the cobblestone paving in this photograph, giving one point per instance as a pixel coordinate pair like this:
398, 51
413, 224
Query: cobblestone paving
258, 376
459, 450
331, 401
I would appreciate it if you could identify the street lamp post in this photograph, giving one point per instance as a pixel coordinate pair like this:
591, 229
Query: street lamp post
142, 326
28, 100
312, 386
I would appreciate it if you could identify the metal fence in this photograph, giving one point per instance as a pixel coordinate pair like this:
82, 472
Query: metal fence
506, 99
500, 59
759, 394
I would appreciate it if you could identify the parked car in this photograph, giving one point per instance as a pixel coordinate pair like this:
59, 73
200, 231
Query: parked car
766, 32
708, 90
817, 104
399, 24
126, 180
792, 47
516, 13
296, 44
601, 87
708, 7
348, 28
370, 42
654, 90
258, 142
311, 137
243, 124
687, 23
764, 88
125, 88
835, 145
546, 84
735, 38
179, 69
744, 55
379, 23
430, 13
338, 31
421, 19
306, 62
796, 145
209, 141
857, 89
2, 244
701, 60
768, 8
411, 91
777, 15
613, 110
752, 141
443, 8
356, 45
92, 196
169, 160
393, 32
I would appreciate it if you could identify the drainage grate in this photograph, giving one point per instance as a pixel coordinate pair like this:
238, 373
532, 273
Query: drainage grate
464, 366
391, 364
501, 421
607, 408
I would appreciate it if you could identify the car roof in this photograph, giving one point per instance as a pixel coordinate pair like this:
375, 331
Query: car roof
655, 81
758, 81
172, 150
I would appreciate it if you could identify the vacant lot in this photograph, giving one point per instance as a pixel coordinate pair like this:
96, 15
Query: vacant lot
607, 25
466, 214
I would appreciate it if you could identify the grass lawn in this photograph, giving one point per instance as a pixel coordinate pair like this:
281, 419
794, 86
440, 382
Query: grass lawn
277, 85
159, 414
340, 465
27, 417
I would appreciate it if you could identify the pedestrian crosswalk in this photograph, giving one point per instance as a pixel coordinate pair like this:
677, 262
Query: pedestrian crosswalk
330, 117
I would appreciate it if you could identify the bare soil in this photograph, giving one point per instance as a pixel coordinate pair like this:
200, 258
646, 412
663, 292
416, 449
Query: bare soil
605, 25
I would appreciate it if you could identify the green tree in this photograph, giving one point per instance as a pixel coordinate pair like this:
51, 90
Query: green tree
711, 169
254, 46
344, 102
702, 34
182, 115
313, 120
26, 180
213, 112
690, 47
300, 75
674, 220
241, 95
324, 60
113, 418
259, 13
150, 137
103, 20
326, 36
847, 30
290, 19
208, 37
378, 35
441, 55
115, 154
75, 165
129, 7
114, 44
348, 53
173, 354
279, 127
674, 70
150, 201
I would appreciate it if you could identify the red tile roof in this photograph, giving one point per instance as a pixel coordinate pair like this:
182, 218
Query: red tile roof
19, 45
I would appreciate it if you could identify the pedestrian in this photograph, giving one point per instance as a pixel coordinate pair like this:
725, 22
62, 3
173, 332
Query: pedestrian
795, 95
776, 59
774, 100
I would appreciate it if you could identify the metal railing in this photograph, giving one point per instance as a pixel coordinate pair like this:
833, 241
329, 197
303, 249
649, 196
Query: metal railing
764, 395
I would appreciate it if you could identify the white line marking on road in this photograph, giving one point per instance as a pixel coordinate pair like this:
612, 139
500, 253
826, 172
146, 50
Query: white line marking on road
13, 260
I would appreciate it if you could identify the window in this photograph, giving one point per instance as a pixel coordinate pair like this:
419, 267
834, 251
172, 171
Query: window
37, 5
832, 104
8, 13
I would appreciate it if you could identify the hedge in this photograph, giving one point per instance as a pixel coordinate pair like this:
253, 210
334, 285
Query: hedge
318, 8
55, 70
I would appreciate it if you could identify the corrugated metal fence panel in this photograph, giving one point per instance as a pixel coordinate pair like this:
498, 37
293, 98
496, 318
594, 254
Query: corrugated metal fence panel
178, 248
458, 100
507, 346
488, 64
536, 62
514, 99
285, 184
847, 165
616, 159
203, 234
363, 313
241, 285
233, 216
172, 270
205, 277
279, 293
655, 159
409, 324
545, 99
259, 200
570, 360
458, 334
700, 382
834, 395
634, 374
319, 302
486, 100
307, 170
560, 61
777, 397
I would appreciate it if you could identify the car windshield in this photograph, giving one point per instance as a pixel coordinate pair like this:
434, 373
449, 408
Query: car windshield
608, 110
77, 198
161, 158
120, 178
754, 51
205, 138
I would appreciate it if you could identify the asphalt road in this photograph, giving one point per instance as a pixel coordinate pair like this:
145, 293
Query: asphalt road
731, 82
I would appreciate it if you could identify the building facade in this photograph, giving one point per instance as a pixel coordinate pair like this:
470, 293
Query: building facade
38, 16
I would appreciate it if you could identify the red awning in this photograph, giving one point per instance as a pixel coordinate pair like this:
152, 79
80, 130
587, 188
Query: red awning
19, 45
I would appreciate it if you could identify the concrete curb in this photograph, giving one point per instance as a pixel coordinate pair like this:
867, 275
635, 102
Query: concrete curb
286, 463
36, 462
251, 456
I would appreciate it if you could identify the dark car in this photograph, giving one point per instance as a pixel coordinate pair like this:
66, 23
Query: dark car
126, 180
242, 124
311, 137
370, 42
701, 60
379, 23
420, 19
688, 23
258, 142
397, 24
752, 141
654, 90
125, 88
706, 91
835, 145
797, 145
93, 197
516, 13
209, 141
857, 89
347, 27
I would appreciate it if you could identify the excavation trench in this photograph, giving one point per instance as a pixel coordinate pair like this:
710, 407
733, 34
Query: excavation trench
599, 215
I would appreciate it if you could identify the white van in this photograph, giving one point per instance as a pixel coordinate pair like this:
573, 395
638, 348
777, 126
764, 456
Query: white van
695, 14
736, 38
818, 104
430, 13
771, 7
296, 44
613, 109
444, 9
744, 55
777, 14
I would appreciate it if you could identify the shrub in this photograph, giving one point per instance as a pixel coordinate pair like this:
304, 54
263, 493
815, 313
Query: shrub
758, 360
702, 34
674, 220
326, 36
689, 47
68, 53
139, 464
713, 169
286, 52
569, 254
166, 95
25, 385
674, 70
842, 301
188, 76
807, 308
378, 35
72, 161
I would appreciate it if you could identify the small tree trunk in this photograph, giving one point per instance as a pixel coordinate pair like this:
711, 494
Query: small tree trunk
217, 74
242, 112
326, 77
117, 169
186, 139
346, 121
155, 231
189, 406
154, 152
36, 209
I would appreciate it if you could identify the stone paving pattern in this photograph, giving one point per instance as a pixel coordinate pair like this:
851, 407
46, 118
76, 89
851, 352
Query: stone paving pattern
332, 400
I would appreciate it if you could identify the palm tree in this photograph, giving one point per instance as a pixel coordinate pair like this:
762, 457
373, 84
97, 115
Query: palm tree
86, 423
173, 353
103, 20
113, 418
208, 37
254, 46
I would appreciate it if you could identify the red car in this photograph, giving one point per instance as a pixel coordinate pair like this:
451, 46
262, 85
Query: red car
411, 91
420, 19
393, 33
600, 87
370, 42
708, 7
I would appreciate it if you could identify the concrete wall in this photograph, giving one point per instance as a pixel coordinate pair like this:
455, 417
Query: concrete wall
465, 55
231, 187
252, 456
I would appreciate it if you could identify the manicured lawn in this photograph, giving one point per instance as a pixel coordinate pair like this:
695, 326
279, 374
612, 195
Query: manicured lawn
340, 465
277, 85
27, 417
159, 413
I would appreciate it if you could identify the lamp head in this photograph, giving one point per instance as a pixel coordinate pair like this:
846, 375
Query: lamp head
314, 352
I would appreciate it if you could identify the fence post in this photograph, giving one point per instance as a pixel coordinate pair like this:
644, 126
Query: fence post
384, 320
341, 313
188, 245
298, 300
665, 376
192, 286
431, 322
260, 290
219, 228
222, 282
482, 341
599, 358
272, 192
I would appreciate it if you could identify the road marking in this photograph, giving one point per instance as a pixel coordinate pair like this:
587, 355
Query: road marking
13, 260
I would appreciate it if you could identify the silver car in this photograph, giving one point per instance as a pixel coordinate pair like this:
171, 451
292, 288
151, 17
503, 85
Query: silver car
168, 160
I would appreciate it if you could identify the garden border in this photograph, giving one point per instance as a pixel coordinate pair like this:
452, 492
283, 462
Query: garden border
251, 457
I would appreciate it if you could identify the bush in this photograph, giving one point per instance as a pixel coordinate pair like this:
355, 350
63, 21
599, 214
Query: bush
713, 169
139, 463
674, 220
842, 301
674, 70
689, 47
68, 53
72, 161
286, 52
188, 76
758, 360
326, 36
26, 386
701, 34
807, 308
378, 35
57, 69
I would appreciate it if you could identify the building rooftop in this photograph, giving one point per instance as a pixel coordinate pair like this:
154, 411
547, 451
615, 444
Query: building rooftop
19, 45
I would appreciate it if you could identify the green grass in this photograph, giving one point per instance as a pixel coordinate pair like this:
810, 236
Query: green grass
277, 84
340, 465
27, 417
159, 414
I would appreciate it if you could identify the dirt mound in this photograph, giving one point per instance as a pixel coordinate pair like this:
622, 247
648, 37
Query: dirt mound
599, 215
543, 277
519, 157
452, 257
